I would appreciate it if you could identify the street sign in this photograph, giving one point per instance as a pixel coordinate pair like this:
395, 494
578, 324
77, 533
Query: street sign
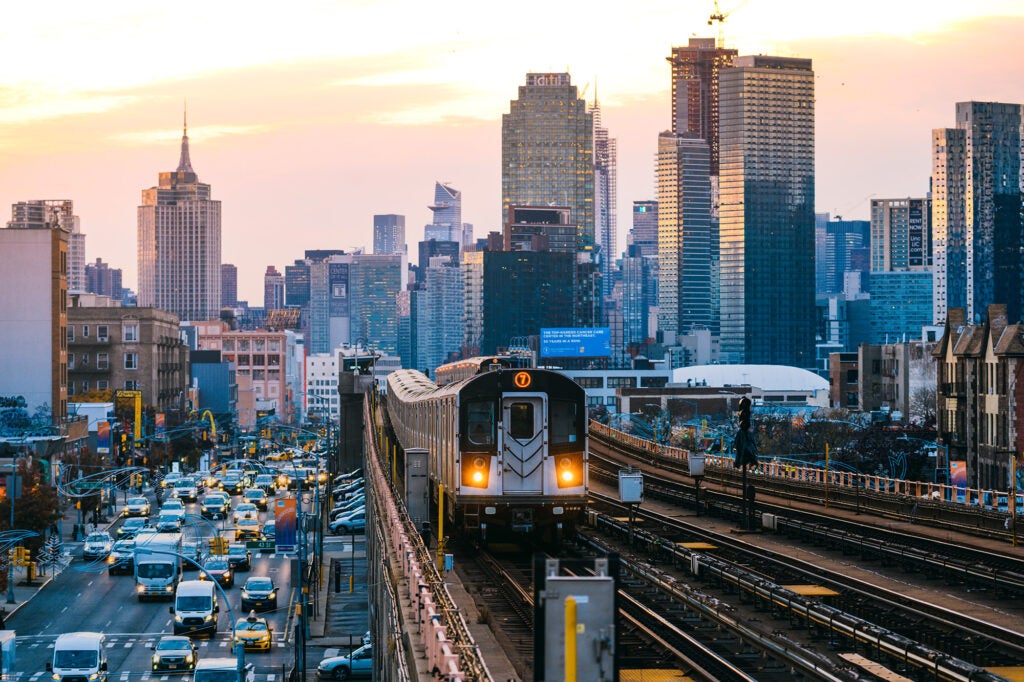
259, 544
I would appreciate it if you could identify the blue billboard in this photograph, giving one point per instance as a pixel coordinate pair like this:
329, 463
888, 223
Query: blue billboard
573, 342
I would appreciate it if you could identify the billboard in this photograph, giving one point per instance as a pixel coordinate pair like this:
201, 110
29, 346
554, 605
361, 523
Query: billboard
917, 240
573, 342
285, 524
103, 437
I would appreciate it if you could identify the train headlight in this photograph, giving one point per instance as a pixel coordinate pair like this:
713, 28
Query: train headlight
476, 470
569, 470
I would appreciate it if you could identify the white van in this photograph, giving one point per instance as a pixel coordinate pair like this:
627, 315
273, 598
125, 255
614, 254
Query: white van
79, 656
221, 670
195, 608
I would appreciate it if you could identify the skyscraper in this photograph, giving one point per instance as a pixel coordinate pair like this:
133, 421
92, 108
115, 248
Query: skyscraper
695, 71
547, 151
766, 173
273, 289
978, 224
179, 244
605, 197
446, 225
684, 235
228, 285
388, 233
901, 236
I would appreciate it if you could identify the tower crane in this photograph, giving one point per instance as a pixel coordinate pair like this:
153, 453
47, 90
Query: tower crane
720, 16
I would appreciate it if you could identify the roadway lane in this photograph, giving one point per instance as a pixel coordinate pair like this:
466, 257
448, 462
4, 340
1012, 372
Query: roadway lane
85, 597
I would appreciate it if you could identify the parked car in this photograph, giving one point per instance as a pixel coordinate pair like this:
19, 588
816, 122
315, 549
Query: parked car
347, 506
359, 664
259, 593
351, 523
137, 506
174, 653
97, 545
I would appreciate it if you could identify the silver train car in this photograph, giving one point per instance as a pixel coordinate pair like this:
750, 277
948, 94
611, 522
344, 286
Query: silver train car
508, 447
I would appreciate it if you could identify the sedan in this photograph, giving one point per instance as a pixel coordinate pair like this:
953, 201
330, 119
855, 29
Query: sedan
253, 633
130, 527
246, 510
247, 529
122, 557
359, 664
348, 506
256, 496
168, 522
259, 594
216, 506
97, 545
239, 558
217, 568
174, 653
351, 523
136, 506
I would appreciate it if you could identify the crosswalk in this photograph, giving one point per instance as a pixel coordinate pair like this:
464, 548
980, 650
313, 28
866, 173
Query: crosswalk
217, 647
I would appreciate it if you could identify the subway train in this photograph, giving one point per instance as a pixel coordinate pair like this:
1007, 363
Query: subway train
507, 448
463, 369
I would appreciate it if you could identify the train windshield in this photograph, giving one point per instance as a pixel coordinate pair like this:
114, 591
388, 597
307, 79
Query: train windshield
521, 424
564, 422
480, 423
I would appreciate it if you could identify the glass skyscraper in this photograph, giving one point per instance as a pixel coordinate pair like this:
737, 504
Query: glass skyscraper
766, 173
547, 151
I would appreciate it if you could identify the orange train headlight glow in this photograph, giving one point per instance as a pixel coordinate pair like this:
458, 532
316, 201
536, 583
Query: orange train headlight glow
569, 470
476, 470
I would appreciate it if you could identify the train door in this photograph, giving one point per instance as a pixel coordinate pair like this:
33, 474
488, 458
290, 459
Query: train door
523, 444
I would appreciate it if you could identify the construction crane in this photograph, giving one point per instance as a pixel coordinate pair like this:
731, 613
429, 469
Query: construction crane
720, 16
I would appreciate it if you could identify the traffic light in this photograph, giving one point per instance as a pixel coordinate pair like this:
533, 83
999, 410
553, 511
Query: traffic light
24, 556
218, 545
12, 555
744, 413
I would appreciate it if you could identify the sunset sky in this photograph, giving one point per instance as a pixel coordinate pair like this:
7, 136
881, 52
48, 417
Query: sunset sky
309, 117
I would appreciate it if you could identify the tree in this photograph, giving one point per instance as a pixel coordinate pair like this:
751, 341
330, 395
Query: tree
923, 406
36, 509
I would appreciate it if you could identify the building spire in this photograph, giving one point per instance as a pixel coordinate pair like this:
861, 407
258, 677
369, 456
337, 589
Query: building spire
184, 163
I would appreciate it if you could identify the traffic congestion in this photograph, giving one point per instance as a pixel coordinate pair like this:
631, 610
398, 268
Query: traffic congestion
215, 549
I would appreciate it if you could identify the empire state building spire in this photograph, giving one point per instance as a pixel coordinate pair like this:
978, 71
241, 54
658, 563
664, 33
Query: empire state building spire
185, 164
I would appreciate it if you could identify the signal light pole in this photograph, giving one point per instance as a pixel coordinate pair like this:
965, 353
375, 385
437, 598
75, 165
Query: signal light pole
746, 455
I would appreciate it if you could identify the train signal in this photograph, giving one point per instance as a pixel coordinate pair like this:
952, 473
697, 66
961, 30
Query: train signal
744, 413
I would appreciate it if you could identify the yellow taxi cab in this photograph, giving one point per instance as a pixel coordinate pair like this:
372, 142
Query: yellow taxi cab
253, 632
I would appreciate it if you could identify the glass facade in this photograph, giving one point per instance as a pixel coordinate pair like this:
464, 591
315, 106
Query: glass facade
766, 130
901, 304
547, 151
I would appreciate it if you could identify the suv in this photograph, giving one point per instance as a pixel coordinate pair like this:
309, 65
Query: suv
222, 670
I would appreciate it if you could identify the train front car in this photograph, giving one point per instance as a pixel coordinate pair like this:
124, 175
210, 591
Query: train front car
522, 453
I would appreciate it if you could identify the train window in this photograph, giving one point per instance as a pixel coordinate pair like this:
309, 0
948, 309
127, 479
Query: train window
563, 420
480, 423
521, 420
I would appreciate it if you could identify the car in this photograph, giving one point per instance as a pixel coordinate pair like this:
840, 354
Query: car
359, 664
192, 548
121, 559
239, 557
136, 506
174, 653
173, 504
168, 521
216, 505
284, 481
130, 527
232, 482
259, 593
212, 481
170, 478
342, 478
217, 568
354, 484
97, 545
348, 495
245, 510
269, 531
266, 483
256, 496
253, 632
347, 506
353, 523
185, 489
348, 511
247, 529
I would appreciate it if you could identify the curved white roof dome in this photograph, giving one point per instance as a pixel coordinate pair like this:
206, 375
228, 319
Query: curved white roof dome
766, 377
